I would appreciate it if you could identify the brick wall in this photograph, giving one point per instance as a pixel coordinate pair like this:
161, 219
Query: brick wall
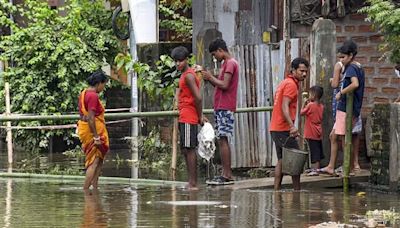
382, 85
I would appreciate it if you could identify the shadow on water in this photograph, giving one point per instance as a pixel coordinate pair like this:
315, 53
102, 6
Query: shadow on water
39, 203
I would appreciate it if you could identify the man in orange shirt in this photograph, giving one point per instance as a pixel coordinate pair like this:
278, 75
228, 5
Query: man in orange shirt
282, 128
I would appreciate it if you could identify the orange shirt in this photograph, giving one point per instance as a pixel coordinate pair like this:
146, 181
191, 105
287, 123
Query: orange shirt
313, 124
186, 103
289, 87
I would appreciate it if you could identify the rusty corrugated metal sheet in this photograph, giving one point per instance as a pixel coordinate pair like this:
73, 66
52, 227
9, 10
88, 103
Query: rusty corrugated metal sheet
251, 144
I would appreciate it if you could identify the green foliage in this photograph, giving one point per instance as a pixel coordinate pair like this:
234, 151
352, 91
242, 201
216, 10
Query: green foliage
174, 21
159, 82
50, 57
386, 15
156, 155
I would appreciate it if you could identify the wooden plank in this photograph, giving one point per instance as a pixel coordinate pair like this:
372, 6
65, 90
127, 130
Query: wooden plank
306, 181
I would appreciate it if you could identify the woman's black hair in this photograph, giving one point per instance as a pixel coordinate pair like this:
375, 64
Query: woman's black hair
180, 53
318, 91
97, 77
348, 47
217, 43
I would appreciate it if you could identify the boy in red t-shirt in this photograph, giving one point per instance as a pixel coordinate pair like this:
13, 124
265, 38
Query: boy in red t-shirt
190, 112
313, 110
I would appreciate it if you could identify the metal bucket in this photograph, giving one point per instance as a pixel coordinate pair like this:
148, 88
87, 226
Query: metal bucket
293, 161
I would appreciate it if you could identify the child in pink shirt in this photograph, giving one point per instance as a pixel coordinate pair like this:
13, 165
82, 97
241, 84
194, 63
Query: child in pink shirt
313, 110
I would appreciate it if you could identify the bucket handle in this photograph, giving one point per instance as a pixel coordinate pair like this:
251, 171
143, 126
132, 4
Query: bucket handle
305, 140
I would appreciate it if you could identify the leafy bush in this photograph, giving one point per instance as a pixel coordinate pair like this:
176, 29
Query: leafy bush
386, 16
50, 57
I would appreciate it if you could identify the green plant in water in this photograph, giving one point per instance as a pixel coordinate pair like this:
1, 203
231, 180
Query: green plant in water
155, 154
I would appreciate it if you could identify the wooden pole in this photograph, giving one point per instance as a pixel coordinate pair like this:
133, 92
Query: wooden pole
9, 132
174, 139
348, 140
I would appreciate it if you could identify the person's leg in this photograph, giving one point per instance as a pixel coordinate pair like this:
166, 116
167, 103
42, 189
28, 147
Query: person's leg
279, 138
90, 173
278, 175
191, 163
225, 152
356, 151
97, 174
334, 150
296, 182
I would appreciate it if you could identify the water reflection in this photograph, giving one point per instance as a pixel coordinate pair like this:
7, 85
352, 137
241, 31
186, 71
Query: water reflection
48, 204
7, 215
93, 214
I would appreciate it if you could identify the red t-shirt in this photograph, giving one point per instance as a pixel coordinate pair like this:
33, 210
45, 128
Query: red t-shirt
186, 102
313, 124
289, 87
226, 99
92, 102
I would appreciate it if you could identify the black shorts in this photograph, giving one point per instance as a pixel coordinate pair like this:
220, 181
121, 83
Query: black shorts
315, 147
280, 138
188, 135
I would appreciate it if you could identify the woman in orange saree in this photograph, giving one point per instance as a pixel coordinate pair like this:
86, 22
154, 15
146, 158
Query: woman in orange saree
92, 129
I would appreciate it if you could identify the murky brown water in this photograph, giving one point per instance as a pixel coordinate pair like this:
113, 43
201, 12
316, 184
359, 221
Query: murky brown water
36, 203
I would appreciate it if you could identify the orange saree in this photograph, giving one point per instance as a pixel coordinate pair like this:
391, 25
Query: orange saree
86, 136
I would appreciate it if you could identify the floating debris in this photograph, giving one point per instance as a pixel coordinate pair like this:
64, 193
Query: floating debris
333, 225
383, 217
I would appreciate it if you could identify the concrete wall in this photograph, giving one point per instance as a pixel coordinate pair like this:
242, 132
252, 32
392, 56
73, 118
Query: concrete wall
383, 137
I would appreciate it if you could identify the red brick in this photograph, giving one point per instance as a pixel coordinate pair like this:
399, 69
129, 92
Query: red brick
370, 89
376, 59
366, 111
365, 28
361, 59
376, 38
356, 16
380, 81
386, 71
395, 81
381, 100
340, 39
349, 28
367, 49
359, 39
369, 70
338, 28
390, 90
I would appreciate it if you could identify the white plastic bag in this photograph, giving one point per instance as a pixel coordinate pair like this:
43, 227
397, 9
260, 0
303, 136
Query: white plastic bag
206, 137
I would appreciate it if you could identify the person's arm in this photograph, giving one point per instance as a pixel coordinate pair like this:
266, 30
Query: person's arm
305, 108
353, 86
92, 126
286, 115
222, 84
336, 75
191, 83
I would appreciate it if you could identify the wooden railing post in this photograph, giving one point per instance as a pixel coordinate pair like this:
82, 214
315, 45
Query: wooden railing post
348, 140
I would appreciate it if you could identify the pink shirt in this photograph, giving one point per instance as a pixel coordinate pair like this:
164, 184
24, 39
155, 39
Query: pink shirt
226, 99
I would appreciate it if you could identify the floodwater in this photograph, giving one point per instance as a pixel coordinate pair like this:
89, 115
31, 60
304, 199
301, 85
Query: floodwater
40, 203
